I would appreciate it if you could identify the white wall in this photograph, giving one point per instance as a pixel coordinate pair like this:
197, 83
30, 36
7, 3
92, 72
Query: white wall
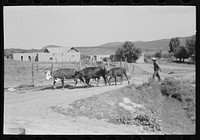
101, 57
17, 56
141, 59
44, 57
72, 56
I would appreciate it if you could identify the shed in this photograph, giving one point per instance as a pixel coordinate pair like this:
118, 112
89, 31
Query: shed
24, 56
59, 54
140, 59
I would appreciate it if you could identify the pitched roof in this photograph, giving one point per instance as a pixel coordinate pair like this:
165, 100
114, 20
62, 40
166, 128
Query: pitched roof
59, 49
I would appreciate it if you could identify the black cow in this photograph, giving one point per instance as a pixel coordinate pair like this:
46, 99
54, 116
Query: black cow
114, 72
61, 74
92, 72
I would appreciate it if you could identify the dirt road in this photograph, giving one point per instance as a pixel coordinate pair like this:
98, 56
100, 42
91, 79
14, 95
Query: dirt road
31, 110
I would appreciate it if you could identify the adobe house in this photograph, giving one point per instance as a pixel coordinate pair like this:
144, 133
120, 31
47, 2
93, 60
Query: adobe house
55, 53
24, 56
59, 54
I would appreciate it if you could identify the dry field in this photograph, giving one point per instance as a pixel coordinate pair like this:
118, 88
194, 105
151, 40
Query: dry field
138, 108
19, 73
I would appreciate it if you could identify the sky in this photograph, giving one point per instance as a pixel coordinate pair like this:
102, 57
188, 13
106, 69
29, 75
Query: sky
33, 27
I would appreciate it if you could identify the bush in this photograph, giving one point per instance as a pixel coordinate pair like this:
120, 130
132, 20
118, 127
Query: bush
170, 86
128, 51
165, 55
149, 55
182, 91
158, 54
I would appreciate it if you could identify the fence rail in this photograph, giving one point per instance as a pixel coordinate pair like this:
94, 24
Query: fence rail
22, 73
26, 73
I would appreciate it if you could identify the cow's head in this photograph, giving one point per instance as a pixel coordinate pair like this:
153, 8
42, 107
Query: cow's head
107, 74
104, 71
77, 73
48, 75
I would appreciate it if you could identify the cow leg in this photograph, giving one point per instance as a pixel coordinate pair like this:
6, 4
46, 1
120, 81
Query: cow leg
97, 81
115, 80
81, 79
87, 81
75, 82
105, 80
109, 80
126, 78
121, 79
63, 85
54, 82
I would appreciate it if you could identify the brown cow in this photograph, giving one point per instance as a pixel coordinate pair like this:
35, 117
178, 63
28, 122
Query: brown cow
92, 72
61, 74
114, 72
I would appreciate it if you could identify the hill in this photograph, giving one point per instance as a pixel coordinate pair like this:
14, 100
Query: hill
8, 52
146, 46
109, 48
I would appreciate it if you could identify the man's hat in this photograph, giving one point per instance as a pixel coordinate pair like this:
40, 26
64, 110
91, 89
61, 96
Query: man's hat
153, 58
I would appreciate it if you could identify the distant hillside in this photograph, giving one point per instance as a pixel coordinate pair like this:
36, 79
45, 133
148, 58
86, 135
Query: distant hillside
94, 50
111, 44
8, 52
51, 46
109, 48
145, 45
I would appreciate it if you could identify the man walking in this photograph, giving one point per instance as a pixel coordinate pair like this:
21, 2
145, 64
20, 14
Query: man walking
156, 69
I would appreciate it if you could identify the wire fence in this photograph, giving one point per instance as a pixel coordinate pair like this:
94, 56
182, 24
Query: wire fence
27, 73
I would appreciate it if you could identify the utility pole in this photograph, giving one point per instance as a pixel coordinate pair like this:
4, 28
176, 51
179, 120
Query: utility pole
120, 62
62, 59
32, 70
52, 61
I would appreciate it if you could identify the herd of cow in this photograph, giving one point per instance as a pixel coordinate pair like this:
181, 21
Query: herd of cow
86, 74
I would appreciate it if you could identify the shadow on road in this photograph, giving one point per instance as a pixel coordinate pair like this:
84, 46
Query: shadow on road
65, 87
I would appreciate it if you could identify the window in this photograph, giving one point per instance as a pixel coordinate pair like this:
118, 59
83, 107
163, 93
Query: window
29, 58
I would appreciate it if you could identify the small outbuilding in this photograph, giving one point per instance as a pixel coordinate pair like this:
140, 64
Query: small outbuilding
140, 59
24, 56
60, 54
49, 53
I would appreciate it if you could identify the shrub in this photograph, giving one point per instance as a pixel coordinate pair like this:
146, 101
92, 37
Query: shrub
165, 55
182, 91
158, 54
170, 86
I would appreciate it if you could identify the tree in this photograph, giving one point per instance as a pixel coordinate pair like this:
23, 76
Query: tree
128, 51
174, 45
190, 45
158, 53
120, 53
181, 53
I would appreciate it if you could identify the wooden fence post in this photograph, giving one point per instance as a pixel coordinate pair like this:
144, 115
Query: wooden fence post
37, 66
62, 59
80, 65
126, 65
120, 62
32, 73
52, 61
108, 64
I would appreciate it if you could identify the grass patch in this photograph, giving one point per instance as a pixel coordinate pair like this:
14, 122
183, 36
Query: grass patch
25, 85
183, 91
150, 95
107, 106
